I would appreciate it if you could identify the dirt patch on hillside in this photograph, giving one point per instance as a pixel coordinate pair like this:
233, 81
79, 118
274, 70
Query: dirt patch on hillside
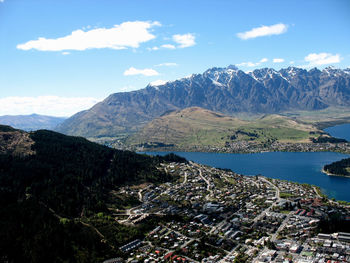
16, 143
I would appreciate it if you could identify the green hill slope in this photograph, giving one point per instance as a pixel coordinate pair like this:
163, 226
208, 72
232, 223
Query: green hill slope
200, 127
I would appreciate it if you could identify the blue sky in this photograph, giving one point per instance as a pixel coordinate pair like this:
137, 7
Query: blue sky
58, 57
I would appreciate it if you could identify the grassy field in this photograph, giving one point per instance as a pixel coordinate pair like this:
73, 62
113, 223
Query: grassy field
322, 118
200, 127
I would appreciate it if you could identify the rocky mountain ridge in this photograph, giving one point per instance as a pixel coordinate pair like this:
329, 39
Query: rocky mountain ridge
225, 90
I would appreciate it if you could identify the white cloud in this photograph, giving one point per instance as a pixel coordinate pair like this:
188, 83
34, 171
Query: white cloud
252, 64
322, 59
153, 48
45, 105
168, 46
158, 82
186, 40
125, 35
146, 72
278, 60
65, 53
166, 64
248, 64
182, 41
292, 62
128, 88
262, 31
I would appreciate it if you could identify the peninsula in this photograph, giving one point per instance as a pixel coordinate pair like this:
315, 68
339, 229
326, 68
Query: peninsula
339, 168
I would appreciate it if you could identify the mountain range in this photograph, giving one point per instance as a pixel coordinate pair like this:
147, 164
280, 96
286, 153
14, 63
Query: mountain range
31, 122
224, 90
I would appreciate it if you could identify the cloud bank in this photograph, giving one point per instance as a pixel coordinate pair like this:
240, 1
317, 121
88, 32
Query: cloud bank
322, 59
45, 105
123, 36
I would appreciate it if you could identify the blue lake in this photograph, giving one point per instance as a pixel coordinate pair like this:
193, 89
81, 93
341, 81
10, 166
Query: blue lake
292, 166
340, 131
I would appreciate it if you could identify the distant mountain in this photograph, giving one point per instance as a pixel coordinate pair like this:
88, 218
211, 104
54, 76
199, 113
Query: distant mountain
31, 122
198, 127
225, 90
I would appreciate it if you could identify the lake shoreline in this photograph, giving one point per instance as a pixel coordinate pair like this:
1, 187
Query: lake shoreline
299, 167
343, 148
331, 174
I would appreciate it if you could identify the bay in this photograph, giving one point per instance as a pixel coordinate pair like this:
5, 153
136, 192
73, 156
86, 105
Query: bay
340, 131
301, 167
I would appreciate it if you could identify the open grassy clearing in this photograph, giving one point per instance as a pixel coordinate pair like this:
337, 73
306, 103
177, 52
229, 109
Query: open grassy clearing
201, 127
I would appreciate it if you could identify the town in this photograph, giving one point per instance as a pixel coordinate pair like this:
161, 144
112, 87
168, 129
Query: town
238, 147
221, 216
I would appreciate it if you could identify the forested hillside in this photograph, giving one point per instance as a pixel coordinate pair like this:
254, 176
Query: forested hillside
47, 197
341, 167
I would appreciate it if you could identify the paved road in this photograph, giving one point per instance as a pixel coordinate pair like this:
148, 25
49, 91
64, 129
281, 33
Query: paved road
220, 224
228, 255
274, 186
208, 184
140, 195
284, 223
205, 180
263, 213
185, 180
315, 190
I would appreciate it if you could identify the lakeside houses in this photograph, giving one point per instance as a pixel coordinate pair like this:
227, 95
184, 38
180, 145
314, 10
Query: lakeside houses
249, 147
219, 215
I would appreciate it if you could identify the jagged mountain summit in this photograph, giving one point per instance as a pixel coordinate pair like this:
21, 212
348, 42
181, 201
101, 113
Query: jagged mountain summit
225, 90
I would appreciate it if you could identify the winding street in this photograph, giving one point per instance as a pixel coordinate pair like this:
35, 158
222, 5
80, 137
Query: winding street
284, 223
263, 213
185, 180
